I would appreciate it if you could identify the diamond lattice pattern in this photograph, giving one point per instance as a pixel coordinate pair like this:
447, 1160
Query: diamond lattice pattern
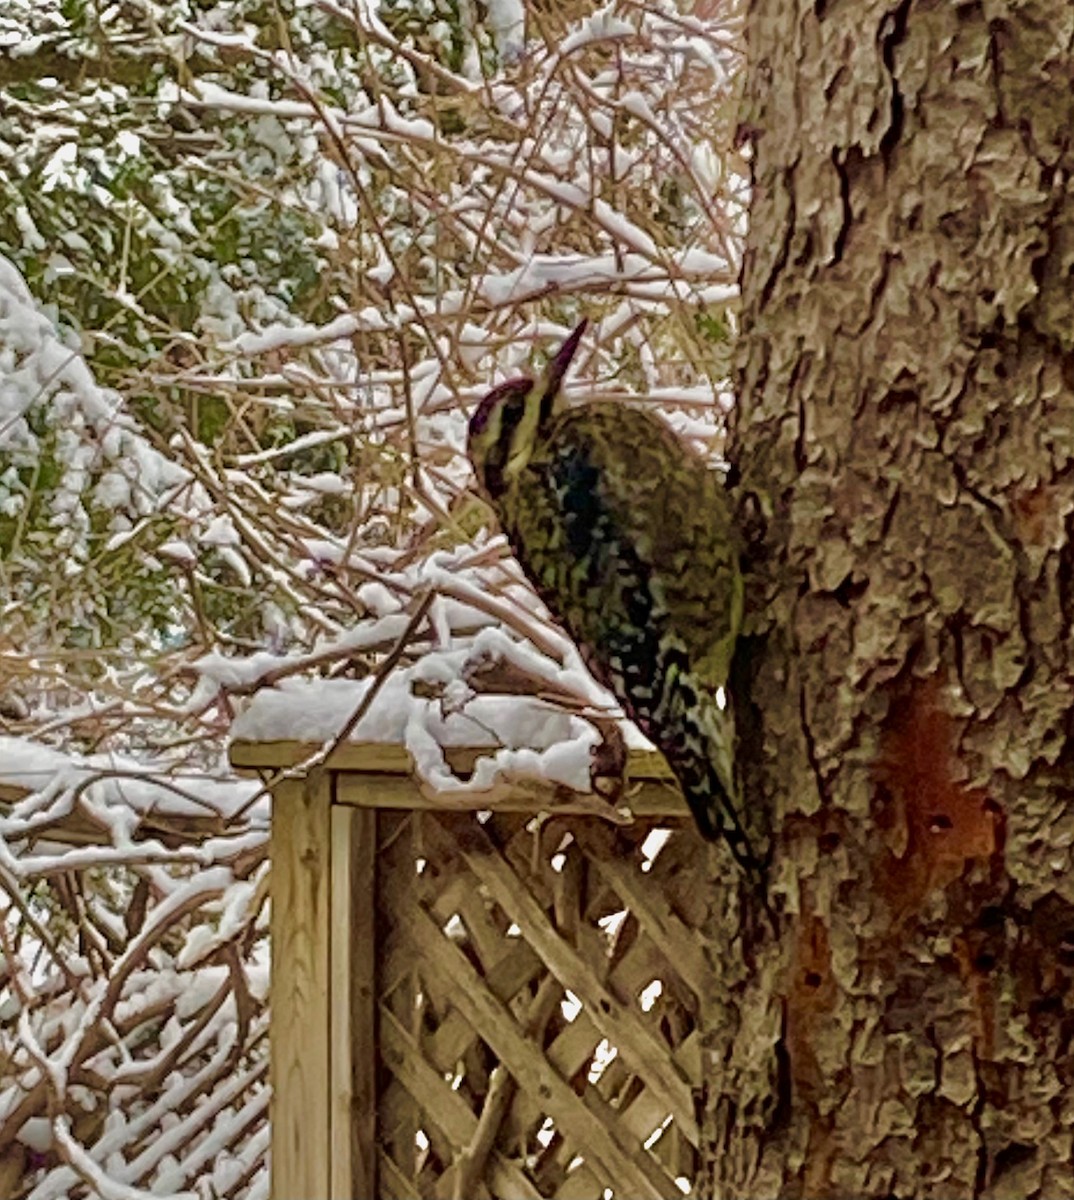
538, 989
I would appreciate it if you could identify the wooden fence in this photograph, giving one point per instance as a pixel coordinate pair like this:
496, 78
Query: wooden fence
469, 1005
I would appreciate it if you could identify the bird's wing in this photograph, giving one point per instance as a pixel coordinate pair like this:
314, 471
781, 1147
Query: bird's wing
638, 483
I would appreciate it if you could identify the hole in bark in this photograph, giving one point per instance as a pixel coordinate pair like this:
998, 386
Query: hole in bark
812, 979
984, 961
991, 917
849, 590
829, 842
1065, 952
892, 32
1049, 1005
1038, 264
1011, 1156
897, 397
939, 821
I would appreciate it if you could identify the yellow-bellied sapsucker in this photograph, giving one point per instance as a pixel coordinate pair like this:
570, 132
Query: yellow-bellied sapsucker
629, 540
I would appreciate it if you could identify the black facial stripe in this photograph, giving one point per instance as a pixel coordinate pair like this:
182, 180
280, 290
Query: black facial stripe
510, 414
494, 399
513, 410
508, 401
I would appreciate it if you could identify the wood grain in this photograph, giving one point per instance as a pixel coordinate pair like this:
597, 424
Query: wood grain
300, 1028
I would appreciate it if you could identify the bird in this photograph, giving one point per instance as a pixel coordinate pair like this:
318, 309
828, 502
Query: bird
629, 539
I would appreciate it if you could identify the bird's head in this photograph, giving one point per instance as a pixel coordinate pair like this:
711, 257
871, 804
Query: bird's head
508, 421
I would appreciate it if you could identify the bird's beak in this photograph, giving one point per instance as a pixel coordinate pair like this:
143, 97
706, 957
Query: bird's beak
557, 368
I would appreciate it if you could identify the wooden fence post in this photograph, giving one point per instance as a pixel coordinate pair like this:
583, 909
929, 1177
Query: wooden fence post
299, 1033
323, 994
353, 1048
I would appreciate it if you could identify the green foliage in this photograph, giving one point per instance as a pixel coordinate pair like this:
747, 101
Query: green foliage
443, 29
713, 326
188, 210
257, 263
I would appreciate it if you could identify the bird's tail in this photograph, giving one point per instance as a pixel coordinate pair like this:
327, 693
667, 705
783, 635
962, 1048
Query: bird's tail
712, 792
716, 814
697, 737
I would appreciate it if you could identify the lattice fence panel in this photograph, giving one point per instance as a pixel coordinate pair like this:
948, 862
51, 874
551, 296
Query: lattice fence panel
538, 996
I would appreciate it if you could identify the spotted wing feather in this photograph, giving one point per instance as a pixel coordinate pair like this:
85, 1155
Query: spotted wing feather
626, 535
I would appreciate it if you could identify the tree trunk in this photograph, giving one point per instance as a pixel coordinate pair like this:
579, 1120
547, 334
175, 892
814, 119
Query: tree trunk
904, 445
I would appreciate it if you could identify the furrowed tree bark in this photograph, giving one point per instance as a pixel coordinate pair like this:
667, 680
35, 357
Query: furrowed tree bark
905, 431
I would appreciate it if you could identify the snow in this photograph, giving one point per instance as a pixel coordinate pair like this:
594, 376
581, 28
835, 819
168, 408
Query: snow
314, 711
599, 27
507, 19
279, 336
179, 551
533, 738
105, 1186
112, 783
220, 532
40, 371
222, 526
